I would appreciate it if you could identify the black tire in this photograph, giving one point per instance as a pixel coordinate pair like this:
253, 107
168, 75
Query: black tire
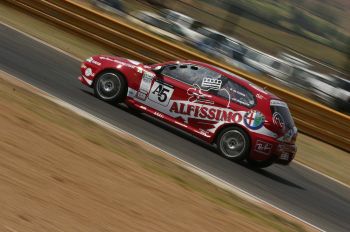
233, 143
262, 163
110, 86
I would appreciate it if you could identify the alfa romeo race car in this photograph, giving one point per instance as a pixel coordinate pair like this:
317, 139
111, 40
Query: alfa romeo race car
242, 120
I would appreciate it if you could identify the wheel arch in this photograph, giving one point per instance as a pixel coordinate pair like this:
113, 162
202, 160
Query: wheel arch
225, 126
105, 70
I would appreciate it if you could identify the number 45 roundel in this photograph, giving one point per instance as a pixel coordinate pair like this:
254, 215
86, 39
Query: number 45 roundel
161, 93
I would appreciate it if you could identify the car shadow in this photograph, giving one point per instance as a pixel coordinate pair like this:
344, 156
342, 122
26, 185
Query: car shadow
197, 141
271, 175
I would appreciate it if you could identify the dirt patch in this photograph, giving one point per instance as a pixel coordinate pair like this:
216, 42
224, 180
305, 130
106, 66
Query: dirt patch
60, 172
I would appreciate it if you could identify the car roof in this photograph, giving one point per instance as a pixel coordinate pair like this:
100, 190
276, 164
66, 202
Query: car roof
239, 80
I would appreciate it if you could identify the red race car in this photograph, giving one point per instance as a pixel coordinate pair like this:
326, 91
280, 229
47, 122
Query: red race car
244, 121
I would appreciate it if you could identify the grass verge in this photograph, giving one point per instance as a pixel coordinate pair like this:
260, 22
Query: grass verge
61, 172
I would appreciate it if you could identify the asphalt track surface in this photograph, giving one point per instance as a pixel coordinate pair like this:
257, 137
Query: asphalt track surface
295, 189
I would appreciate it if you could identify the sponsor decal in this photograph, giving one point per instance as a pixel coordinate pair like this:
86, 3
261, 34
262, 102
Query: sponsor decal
145, 85
210, 83
118, 62
278, 103
139, 69
196, 95
88, 72
160, 115
92, 61
278, 120
131, 92
141, 95
204, 132
147, 74
134, 62
192, 112
263, 147
259, 96
254, 119
161, 93
199, 111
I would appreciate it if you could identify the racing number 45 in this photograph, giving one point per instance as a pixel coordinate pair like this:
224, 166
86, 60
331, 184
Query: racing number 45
161, 93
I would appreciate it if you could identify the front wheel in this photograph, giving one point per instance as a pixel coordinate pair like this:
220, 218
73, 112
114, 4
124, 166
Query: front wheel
110, 87
233, 143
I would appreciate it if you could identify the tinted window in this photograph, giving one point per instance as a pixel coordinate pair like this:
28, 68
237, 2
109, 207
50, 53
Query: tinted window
236, 93
191, 74
282, 109
172, 71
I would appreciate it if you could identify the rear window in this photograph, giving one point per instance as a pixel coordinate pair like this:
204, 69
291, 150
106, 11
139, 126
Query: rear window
281, 115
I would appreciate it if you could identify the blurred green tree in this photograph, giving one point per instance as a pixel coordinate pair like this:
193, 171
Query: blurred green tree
326, 13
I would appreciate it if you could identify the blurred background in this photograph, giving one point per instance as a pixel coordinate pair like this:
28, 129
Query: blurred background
303, 45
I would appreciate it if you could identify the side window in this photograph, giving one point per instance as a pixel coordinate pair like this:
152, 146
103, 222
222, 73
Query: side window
208, 79
172, 71
181, 72
193, 75
236, 93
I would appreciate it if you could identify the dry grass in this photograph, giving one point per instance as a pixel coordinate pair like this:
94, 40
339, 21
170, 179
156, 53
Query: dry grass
324, 158
60, 172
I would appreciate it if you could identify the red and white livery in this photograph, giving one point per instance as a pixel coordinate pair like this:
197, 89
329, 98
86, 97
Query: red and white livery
242, 120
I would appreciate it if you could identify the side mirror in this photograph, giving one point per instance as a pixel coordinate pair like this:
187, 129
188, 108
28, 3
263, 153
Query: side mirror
158, 69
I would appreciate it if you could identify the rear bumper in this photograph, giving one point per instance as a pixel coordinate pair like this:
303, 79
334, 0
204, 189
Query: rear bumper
265, 148
285, 153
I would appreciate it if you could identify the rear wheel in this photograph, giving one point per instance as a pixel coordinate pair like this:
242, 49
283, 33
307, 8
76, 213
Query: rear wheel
233, 143
110, 87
